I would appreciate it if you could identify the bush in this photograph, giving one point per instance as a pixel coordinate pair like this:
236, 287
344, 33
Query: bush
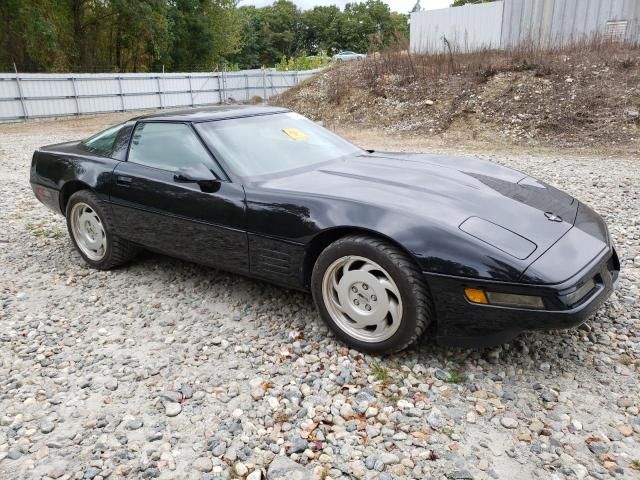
226, 67
303, 62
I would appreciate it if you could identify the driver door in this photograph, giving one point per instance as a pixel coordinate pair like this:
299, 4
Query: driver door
156, 207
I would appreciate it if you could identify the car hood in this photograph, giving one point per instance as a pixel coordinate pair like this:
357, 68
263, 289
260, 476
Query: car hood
499, 206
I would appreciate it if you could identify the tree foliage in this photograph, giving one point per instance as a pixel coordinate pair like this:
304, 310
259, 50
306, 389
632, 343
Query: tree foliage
303, 62
282, 30
203, 33
145, 35
459, 3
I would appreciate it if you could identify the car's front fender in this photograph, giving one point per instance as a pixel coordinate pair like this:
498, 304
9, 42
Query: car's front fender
436, 246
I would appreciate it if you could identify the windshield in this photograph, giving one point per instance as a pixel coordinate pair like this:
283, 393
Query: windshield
270, 144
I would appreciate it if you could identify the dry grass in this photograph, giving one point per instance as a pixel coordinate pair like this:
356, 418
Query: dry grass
484, 64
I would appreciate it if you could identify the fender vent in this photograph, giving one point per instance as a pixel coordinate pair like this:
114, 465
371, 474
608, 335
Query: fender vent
274, 261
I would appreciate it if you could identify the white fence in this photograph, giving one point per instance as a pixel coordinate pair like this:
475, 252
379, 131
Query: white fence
25, 96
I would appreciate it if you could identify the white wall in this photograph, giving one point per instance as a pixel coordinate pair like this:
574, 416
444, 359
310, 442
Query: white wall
467, 28
508, 23
550, 23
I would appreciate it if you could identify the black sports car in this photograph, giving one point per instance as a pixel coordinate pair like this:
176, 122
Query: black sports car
389, 244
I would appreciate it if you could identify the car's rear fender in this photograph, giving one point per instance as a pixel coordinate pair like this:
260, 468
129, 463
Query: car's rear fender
67, 172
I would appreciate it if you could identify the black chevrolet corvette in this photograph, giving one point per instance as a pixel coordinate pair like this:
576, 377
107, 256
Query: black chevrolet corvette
390, 245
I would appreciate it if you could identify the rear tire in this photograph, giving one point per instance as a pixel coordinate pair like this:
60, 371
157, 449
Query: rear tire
371, 294
90, 226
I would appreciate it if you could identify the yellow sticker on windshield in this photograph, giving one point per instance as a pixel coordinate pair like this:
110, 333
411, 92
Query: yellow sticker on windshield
295, 133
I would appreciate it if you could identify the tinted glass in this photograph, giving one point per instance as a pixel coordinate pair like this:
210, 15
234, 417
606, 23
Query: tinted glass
121, 144
169, 146
102, 143
271, 144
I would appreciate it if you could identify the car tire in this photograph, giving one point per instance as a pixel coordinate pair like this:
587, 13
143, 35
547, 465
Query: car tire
90, 226
371, 294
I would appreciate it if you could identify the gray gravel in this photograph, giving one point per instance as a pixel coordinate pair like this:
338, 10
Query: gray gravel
166, 369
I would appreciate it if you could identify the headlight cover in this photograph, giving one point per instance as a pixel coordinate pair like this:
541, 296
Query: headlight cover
512, 300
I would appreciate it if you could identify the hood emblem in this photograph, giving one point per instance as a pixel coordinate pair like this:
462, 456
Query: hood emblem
552, 217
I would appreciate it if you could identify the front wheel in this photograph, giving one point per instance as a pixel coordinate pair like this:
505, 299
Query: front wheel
371, 294
91, 229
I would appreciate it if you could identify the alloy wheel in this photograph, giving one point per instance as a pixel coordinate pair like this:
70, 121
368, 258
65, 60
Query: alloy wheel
362, 299
88, 231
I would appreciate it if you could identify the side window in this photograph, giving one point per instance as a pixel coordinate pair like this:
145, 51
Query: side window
103, 142
169, 146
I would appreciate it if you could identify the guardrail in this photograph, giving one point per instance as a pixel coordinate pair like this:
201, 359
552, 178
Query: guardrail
25, 96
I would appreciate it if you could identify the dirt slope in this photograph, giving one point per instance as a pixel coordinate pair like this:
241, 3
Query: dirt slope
584, 98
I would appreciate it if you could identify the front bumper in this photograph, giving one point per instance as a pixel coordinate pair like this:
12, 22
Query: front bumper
465, 324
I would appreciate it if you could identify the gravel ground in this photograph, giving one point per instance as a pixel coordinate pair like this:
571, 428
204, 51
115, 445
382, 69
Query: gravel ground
171, 370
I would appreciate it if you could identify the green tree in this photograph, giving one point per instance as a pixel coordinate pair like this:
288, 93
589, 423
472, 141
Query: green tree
35, 33
364, 25
269, 33
139, 34
202, 33
316, 33
253, 39
283, 30
459, 3
399, 25
143, 35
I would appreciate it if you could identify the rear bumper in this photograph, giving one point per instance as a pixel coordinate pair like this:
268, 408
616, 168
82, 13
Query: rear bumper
465, 324
50, 197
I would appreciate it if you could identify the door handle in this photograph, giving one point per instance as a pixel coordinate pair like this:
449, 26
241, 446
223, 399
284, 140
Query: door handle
122, 180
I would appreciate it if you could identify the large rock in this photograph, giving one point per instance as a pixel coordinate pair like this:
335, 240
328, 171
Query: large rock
203, 464
283, 468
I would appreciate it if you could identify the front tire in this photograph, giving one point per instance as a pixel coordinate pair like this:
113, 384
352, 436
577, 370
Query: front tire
371, 294
90, 227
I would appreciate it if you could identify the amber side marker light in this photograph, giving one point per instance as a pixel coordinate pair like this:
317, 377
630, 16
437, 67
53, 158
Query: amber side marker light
475, 295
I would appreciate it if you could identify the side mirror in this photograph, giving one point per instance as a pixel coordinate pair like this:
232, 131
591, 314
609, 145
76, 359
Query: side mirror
199, 174
194, 174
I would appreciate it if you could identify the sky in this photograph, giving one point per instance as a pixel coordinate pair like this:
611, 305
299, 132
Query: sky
401, 6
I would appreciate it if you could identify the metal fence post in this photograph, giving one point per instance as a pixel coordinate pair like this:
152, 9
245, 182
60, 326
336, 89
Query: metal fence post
223, 94
264, 85
159, 91
246, 82
24, 108
191, 90
119, 78
75, 94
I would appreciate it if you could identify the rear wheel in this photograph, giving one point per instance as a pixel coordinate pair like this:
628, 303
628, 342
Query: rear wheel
91, 229
371, 294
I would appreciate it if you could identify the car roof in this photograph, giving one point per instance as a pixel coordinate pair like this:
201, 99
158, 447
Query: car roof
207, 114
